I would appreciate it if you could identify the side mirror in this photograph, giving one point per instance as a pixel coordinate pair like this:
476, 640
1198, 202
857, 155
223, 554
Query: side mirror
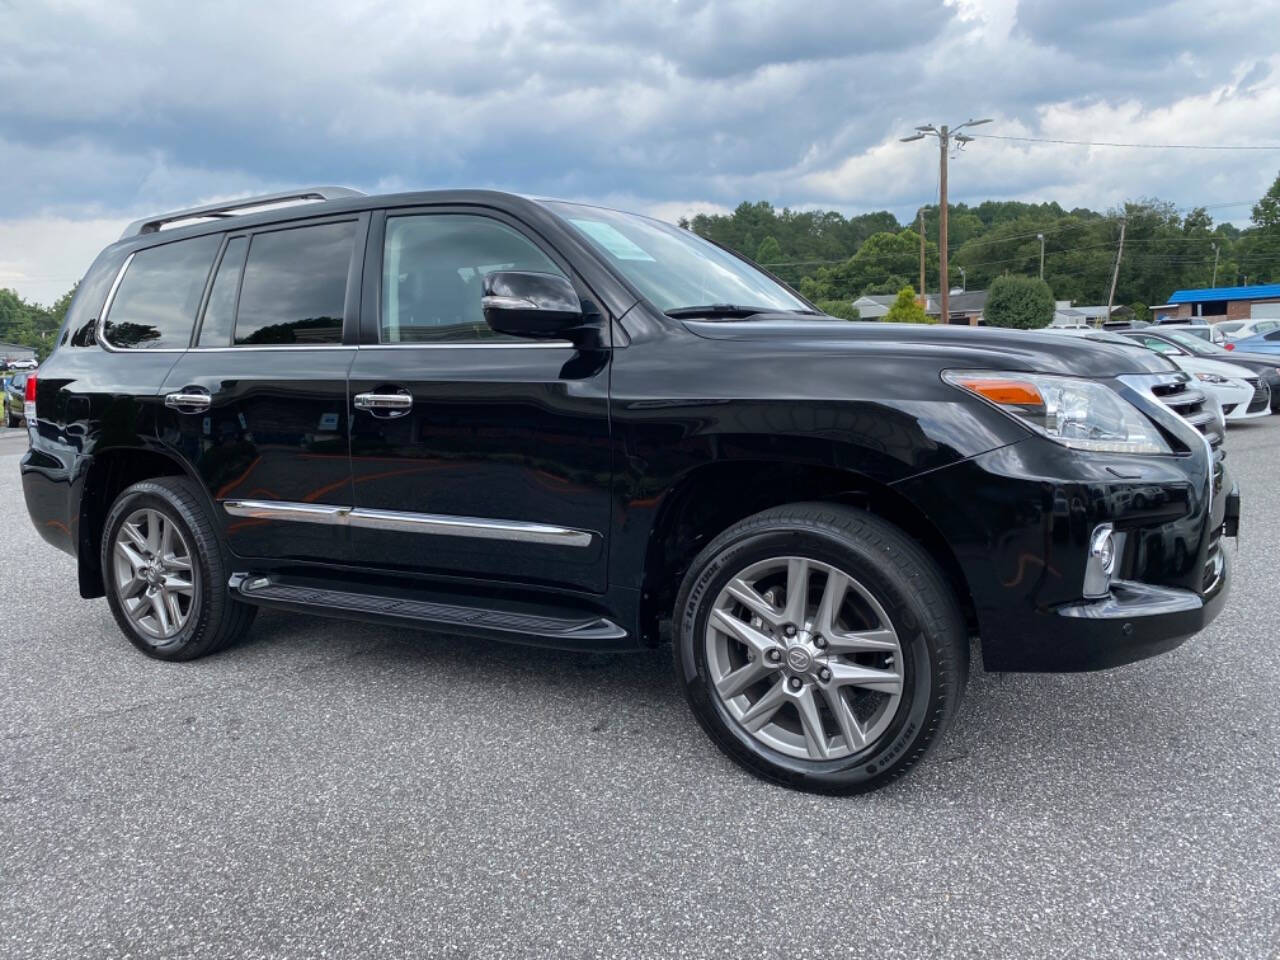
541, 306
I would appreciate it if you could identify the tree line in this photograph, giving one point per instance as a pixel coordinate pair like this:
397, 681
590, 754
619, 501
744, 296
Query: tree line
829, 257
30, 324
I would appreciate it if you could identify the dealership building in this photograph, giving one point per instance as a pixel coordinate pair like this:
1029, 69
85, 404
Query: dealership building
1223, 303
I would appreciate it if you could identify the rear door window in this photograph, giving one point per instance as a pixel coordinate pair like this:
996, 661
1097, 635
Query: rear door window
155, 305
294, 287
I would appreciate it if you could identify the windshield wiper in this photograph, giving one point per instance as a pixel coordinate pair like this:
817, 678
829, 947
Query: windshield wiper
720, 310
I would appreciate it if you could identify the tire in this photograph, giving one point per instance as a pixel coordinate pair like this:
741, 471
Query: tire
13, 421
899, 619
198, 620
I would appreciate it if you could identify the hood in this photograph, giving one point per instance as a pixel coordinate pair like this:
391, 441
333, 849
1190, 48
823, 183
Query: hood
1240, 357
981, 347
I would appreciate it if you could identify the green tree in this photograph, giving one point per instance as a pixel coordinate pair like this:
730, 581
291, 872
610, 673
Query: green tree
839, 308
769, 252
906, 310
1259, 249
1025, 303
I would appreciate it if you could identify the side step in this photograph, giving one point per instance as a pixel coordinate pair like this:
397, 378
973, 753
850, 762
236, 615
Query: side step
572, 630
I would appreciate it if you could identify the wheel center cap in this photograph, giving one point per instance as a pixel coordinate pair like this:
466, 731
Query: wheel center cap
799, 659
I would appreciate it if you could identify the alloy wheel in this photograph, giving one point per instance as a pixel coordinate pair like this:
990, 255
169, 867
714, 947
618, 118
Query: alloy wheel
804, 658
155, 578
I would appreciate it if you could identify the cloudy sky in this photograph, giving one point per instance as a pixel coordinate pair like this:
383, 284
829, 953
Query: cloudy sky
112, 110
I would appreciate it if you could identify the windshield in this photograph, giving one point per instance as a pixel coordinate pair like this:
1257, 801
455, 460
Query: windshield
1195, 344
673, 268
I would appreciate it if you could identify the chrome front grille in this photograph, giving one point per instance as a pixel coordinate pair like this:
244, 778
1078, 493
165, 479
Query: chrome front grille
1261, 396
1213, 563
1179, 394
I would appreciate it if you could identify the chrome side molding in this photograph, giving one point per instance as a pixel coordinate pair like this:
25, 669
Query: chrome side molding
478, 528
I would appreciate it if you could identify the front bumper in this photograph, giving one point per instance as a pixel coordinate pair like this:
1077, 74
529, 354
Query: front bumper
1138, 620
1247, 401
1020, 530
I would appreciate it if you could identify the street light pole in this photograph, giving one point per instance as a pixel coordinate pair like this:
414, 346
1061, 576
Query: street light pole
963, 286
1215, 266
1040, 237
945, 135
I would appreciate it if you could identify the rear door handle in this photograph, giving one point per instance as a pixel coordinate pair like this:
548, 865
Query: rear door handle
187, 401
392, 404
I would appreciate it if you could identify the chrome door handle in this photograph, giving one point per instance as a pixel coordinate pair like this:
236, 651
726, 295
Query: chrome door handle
395, 404
187, 402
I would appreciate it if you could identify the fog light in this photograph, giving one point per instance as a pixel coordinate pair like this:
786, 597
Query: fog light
1104, 548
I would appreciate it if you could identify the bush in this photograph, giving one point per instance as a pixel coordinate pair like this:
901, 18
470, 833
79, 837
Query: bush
906, 310
838, 308
1024, 303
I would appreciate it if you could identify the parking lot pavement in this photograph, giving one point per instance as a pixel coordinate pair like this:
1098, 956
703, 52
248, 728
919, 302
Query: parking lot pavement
330, 789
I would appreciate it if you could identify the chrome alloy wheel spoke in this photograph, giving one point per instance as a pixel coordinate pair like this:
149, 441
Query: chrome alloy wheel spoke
804, 658
155, 579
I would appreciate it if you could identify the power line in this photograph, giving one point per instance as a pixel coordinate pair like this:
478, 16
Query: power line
1144, 146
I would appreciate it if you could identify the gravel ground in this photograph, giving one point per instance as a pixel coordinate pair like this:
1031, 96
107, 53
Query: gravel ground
338, 790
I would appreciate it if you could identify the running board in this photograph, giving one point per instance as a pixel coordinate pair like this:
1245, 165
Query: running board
569, 630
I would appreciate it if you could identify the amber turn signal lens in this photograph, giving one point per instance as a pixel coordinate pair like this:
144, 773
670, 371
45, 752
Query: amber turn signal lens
1004, 390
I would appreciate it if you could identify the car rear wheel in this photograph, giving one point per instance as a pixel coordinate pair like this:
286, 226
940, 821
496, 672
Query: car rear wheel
165, 572
820, 647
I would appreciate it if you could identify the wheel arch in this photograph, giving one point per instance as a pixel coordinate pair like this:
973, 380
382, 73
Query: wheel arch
110, 472
712, 497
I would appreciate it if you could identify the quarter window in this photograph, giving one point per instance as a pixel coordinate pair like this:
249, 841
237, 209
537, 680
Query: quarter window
155, 304
433, 267
294, 288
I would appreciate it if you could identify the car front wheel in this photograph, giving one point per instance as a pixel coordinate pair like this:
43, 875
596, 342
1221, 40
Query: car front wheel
820, 647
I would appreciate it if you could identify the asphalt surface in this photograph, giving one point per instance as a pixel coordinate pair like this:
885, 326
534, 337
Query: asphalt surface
336, 790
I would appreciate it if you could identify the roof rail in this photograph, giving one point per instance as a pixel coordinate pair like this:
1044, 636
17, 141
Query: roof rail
153, 224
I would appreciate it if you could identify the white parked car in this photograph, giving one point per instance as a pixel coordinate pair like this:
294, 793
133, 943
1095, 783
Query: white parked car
1243, 395
1239, 329
23, 365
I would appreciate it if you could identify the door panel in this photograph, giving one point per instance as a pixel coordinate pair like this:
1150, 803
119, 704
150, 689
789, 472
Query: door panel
275, 429
495, 433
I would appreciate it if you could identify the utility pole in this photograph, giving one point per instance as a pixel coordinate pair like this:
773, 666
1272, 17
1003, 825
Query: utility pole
945, 136
1111, 297
1215, 266
1040, 237
963, 285
923, 296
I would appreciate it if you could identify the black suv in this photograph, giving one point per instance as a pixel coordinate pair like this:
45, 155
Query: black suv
564, 425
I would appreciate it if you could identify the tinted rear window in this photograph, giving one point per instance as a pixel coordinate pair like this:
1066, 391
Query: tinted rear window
156, 302
295, 285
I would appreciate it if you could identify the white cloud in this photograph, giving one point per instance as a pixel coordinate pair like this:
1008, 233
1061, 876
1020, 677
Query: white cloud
41, 257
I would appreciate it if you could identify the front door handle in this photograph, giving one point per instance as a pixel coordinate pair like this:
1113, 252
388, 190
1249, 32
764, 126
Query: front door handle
391, 404
186, 401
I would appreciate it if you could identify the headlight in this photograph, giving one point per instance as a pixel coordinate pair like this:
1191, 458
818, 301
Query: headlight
1212, 378
1076, 413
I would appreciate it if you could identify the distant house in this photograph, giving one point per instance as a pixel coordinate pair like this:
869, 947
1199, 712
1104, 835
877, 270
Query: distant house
1223, 303
16, 351
965, 308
